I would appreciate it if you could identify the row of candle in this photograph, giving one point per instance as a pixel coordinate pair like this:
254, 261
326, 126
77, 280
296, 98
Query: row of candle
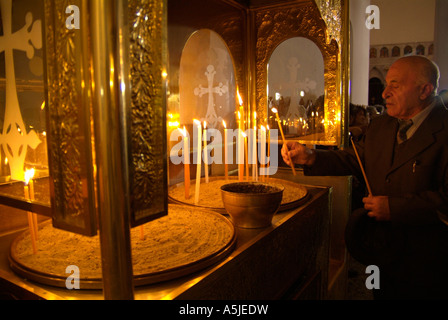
243, 154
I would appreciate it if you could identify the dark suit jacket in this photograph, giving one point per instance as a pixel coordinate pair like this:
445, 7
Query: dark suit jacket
417, 185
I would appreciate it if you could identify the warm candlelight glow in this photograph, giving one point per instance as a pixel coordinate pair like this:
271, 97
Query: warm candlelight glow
29, 174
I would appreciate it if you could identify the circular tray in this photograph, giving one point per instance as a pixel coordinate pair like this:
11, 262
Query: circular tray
294, 195
185, 241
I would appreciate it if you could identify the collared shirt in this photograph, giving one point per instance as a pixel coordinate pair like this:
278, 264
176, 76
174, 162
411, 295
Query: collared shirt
418, 119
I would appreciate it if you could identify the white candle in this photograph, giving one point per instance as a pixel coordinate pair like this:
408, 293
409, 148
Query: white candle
199, 160
205, 153
186, 163
263, 161
226, 167
240, 145
254, 150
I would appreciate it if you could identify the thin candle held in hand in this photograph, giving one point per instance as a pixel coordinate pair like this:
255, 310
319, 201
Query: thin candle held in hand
362, 168
284, 140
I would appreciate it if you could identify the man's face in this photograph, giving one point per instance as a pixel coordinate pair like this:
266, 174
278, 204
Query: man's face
402, 92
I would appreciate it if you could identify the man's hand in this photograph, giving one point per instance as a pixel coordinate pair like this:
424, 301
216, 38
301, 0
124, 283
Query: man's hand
377, 207
299, 154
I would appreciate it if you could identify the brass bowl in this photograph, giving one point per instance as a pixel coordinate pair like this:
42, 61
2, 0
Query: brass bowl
251, 204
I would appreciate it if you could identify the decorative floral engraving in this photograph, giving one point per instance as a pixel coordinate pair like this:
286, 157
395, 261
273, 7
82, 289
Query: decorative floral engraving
148, 112
69, 134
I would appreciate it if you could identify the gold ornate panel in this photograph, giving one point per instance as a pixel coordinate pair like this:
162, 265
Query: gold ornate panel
69, 113
148, 148
84, 85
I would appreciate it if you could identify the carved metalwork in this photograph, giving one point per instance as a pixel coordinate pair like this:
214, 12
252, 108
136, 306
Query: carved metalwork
276, 24
68, 114
148, 144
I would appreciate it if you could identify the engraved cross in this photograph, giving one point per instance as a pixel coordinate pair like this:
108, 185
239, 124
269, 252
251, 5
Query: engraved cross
211, 116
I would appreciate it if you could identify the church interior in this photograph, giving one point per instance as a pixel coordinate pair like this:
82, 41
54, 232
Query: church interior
140, 143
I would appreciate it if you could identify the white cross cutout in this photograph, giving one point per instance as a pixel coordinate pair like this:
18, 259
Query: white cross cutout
14, 138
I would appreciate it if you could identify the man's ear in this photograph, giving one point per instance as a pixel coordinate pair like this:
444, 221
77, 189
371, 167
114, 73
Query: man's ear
426, 91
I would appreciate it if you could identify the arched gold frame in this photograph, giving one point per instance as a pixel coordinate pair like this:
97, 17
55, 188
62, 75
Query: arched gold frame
277, 23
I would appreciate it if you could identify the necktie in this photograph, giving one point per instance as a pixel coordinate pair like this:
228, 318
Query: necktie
403, 127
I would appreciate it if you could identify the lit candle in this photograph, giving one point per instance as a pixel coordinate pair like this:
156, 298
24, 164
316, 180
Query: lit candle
226, 167
240, 149
269, 146
205, 153
254, 150
199, 160
240, 140
186, 163
284, 140
246, 153
31, 224
263, 151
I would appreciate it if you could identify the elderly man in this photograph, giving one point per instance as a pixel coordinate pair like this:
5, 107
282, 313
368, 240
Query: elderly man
403, 227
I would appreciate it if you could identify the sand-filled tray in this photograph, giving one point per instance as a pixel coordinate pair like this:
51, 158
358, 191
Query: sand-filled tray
187, 240
294, 194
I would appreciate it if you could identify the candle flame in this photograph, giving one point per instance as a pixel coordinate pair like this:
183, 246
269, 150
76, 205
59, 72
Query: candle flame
274, 110
263, 128
239, 115
255, 114
29, 174
244, 134
224, 124
239, 97
173, 124
205, 124
197, 122
184, 131
267, 127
